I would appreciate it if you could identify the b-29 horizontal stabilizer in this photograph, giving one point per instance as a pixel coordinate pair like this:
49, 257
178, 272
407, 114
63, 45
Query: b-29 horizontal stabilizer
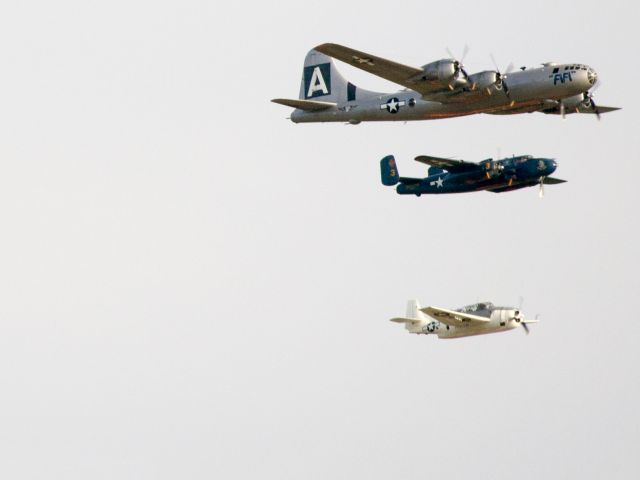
306, 105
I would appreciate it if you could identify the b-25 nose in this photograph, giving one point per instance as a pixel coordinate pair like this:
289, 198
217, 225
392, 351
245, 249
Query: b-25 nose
550, 165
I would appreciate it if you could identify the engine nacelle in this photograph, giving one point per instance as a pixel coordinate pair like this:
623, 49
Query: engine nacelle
492, 168
444, 71
580, 100
484, 80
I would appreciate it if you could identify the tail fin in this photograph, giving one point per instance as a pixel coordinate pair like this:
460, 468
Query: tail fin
322, 81
415, 319
389, 171
413, 310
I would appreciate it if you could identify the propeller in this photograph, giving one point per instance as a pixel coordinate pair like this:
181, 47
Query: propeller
519, 317
502, 76
587, 102
493, 168
541, 189
458, 65
526, 327
590, 103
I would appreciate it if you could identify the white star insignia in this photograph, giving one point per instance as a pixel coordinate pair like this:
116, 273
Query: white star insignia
393, 105
438, 183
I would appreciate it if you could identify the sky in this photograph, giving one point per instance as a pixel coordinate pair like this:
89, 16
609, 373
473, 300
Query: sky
192, 286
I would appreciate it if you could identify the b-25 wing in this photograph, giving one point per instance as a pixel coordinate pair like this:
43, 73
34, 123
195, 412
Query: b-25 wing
405, 75
453, 318
448, 164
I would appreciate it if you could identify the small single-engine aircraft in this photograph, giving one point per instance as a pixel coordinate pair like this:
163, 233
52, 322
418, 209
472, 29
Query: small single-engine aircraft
476, 319
439, 89
457, 176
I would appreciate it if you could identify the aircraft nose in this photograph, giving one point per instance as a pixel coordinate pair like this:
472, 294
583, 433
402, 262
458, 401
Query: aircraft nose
592, 76
551, 165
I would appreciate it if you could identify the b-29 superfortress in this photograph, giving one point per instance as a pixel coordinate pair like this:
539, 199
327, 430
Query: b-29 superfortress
440, 89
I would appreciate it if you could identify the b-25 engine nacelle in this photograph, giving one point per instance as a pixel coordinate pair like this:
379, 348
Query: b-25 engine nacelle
492, 168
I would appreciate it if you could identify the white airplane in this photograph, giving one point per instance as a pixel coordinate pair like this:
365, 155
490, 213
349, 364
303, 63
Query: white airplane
477, 319
440, 89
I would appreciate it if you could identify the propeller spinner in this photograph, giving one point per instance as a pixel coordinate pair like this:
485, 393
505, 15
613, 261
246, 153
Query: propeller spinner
458, 65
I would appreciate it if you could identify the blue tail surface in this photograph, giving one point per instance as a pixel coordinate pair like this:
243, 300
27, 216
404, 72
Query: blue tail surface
389, 171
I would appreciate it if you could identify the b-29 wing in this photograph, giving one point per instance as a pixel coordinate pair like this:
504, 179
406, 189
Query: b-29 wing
405, 75
454, 318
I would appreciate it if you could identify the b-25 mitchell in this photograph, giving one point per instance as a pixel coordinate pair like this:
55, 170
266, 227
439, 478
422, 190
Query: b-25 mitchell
440, 89
477, 319
446, 175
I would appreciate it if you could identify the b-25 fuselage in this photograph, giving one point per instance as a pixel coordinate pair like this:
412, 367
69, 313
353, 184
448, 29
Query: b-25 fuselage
457, 176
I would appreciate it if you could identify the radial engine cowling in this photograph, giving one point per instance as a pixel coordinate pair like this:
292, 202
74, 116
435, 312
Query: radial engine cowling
493, 169
577, 101
444, 71
484, 80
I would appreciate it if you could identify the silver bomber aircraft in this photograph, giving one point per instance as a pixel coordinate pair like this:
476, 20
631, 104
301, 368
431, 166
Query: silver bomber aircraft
478, 319
440, 89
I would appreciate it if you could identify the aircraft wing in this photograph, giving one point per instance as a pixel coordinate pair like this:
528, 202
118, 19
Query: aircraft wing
450, 165
453, 318
555, 109
389, 70
552, 180
307, 105
600, 110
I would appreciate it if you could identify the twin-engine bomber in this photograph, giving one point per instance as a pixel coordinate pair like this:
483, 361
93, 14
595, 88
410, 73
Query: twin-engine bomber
457, 176
440, 89
477, 319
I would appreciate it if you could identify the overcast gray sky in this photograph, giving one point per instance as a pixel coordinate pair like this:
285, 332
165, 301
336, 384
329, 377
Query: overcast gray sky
191, 286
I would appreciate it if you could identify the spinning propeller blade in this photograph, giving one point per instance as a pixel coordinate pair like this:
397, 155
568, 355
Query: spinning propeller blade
459, 62
502, 76
594, 107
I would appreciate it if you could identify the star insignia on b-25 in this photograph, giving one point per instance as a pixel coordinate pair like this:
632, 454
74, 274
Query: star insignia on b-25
438, 183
